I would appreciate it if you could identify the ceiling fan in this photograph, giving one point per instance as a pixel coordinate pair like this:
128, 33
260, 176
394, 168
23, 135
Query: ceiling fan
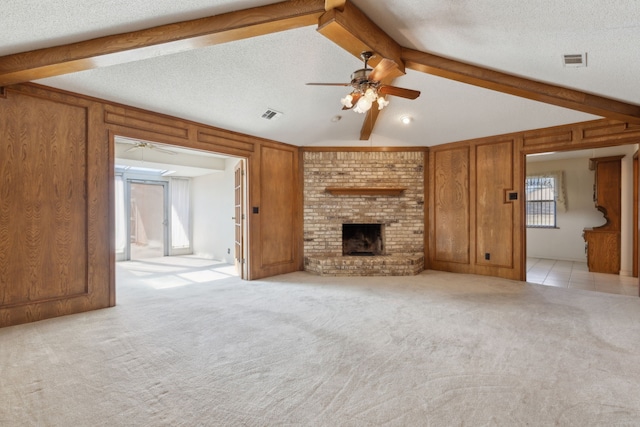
137, 145
367, 86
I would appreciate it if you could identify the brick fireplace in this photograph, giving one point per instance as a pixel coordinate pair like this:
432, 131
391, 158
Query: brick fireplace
382, 192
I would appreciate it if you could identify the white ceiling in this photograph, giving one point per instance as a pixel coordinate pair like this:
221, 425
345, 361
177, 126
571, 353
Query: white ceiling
231, 85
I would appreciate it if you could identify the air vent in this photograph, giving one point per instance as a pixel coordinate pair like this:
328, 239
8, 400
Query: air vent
575, 60
271, 114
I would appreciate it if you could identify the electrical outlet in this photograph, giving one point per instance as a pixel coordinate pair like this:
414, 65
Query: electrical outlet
487, 256
228, 250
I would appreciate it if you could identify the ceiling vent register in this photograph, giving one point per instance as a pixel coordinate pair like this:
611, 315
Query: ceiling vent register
271, 114
575, 60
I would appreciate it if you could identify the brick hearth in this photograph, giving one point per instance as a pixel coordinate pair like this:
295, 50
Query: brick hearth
382, 265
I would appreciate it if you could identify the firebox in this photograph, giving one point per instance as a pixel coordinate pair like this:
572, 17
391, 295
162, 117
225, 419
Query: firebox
362, 239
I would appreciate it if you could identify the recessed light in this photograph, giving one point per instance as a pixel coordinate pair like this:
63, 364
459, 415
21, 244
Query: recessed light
406, 119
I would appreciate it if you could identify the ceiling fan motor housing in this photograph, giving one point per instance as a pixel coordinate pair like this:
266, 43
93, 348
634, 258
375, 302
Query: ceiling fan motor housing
360, 80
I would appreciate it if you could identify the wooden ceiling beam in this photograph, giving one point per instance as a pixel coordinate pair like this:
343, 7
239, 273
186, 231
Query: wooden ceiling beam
348, 27
353, 31
519, 86
371, 116
161, 40
334, 4
369, 122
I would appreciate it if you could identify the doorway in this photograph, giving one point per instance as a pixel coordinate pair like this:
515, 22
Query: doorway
175, 201
555, 248
147, 219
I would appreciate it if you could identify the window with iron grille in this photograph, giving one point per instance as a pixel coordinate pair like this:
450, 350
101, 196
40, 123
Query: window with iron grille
541, 201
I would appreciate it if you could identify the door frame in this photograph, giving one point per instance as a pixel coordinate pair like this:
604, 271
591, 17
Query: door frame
240, 218
635, 221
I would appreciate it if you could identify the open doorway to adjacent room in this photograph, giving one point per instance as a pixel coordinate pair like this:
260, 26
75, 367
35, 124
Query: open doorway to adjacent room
561, 208
178, 208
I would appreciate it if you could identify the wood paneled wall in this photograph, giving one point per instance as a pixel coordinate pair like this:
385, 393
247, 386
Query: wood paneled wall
56, 205
450, 213
54, 252
56, 188
473, 225
471, 221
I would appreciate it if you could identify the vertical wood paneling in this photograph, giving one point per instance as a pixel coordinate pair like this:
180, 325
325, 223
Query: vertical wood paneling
494, 215
43, 212
55, 252
278, 186
451, 205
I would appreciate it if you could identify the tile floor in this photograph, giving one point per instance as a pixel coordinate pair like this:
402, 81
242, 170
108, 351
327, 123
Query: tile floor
576, 275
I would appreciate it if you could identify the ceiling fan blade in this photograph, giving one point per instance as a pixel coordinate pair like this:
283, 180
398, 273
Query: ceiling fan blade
381, 70
328, 84
398, 91
162, 150
135, 147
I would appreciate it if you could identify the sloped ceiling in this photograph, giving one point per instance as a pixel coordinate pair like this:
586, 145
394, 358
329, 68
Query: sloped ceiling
231, 85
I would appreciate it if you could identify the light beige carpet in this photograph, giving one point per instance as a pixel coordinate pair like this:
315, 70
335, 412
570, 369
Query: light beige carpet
190, 346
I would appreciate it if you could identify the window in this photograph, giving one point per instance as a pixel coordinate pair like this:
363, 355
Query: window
541, 201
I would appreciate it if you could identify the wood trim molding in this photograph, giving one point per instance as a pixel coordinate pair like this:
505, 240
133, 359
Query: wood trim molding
365, 191
156, 41
144, 122
518, 86
239, 146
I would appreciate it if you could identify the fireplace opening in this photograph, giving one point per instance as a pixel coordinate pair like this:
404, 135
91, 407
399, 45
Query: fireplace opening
362, 239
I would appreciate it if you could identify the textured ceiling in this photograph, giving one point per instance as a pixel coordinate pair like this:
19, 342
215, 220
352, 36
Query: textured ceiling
231, 85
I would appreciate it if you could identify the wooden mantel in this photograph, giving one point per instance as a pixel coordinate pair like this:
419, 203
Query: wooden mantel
365, 191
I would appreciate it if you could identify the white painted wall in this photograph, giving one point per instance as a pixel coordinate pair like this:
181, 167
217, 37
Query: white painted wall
566, 242
213, 209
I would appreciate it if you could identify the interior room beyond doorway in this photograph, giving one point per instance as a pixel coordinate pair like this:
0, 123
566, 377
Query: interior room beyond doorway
172, 201
557, 251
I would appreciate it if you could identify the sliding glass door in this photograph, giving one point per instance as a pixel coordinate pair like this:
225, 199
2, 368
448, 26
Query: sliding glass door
147, 219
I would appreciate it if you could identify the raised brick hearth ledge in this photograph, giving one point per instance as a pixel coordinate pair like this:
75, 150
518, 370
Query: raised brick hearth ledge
378, 265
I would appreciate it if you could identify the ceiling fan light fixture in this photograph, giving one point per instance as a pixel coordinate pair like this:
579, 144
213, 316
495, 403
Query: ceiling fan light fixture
366, 101
382, 103
367, 87
363, 105
347, 101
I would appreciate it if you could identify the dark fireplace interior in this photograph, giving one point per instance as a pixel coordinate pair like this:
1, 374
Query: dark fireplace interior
362, 239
